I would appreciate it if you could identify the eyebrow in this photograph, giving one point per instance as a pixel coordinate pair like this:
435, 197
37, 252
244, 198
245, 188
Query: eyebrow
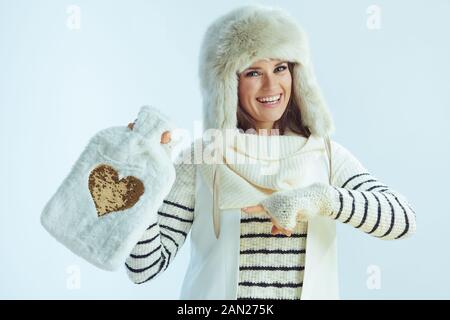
256, 68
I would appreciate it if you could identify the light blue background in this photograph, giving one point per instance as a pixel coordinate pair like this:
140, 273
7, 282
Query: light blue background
388, 91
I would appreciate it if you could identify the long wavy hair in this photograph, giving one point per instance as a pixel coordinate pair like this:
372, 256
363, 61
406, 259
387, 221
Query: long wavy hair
291, 117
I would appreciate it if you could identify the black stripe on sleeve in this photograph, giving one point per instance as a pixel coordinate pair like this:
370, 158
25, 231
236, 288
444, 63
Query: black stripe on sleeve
353, 207
170, 238
392, 217
151, 226
375, 227
178, 205
174, 217
141, 256
166, 261
173, 229
353, 177
405, 231
366, 207
148, 240
360, 184
140, 270
157, 272
341, 200
377, 186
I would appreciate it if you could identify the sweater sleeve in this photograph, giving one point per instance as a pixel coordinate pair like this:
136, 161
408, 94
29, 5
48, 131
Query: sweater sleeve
364, 202
164, 237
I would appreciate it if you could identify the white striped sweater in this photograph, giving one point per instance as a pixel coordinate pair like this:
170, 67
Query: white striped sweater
272, 266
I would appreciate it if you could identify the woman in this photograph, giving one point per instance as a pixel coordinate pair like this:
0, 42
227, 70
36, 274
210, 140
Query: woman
274, 215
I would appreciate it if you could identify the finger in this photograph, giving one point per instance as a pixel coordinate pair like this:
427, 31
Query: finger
276, 224
165, 137
254, 209
274, 230
280, 229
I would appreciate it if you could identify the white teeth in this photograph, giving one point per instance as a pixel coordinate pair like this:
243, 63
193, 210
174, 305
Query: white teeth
269, 99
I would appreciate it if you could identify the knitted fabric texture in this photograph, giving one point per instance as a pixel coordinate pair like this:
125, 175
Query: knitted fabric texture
272, 266
254, 166
290, 206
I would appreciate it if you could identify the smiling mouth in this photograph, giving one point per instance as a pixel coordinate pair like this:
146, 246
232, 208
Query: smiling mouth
270, 102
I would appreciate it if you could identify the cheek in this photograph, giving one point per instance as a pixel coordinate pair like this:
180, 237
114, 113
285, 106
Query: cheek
287, 83
246, 91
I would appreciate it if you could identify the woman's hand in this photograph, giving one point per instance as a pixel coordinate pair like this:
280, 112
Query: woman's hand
165, 137
287, 207
276, 228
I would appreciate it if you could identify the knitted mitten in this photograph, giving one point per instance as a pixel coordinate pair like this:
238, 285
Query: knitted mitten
289, 206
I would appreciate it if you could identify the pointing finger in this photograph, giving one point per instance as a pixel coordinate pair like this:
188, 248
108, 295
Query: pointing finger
254, 209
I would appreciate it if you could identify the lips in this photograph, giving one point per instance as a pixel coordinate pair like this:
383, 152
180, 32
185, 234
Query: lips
271, 104
270, 98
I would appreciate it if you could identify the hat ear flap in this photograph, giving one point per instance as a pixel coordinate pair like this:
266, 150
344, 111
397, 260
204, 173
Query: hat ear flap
315, 114
230, 101
220, 111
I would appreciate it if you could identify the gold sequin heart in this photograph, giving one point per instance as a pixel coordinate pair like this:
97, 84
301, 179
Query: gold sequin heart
111, 194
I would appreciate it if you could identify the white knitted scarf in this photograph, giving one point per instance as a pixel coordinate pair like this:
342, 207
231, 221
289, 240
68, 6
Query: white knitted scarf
251, 167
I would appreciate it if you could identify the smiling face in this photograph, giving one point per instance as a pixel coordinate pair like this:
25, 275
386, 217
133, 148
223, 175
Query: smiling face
264, 91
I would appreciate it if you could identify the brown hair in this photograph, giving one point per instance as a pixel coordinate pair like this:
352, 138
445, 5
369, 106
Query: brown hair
291, 117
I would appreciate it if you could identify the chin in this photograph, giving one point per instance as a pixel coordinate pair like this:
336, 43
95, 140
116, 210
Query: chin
269, 119
272, 115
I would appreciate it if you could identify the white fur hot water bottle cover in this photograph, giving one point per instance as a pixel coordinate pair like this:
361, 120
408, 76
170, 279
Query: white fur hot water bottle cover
113, 191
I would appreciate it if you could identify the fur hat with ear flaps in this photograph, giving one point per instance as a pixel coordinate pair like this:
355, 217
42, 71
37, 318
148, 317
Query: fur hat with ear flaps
248, 34
235, 41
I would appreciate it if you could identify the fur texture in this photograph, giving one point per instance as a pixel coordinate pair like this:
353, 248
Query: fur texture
71, 215
247, 34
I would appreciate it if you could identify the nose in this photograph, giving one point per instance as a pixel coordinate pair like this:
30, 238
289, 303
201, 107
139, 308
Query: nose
269, 83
